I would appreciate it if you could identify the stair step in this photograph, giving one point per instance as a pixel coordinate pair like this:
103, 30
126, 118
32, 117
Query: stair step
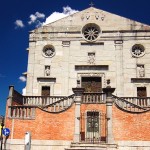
80, 146
86, 148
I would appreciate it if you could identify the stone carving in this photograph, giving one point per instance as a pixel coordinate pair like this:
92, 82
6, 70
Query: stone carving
87, 16
99, 16
91, 16
108, 82
91, 58
78, 82
141, 71
47, 70
96, 16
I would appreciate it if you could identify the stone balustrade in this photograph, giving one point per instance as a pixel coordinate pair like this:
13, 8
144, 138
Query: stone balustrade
41, 100
60, 105
140, 101
93, 98
23, 112
133, 104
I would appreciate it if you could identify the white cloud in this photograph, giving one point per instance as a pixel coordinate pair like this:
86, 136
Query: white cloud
22, 78
39, 15
34, 18
24, 91
19, 23
57, 15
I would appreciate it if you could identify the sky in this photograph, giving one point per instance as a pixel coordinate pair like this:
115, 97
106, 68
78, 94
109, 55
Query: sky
18, 17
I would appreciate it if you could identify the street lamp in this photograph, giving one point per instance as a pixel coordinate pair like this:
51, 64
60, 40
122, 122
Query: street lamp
2, 125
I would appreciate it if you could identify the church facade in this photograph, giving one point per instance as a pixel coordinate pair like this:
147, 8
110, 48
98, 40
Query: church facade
88, 85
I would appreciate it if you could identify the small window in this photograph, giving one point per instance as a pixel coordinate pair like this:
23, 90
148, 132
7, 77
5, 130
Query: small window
91, 32
45, 91
48, 51
138, 50
141, 92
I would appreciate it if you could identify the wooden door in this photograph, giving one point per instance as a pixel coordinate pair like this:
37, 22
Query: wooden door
45, 91
141, 92
92, 84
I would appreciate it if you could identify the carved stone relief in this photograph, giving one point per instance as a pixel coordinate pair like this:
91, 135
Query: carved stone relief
91, 58
95, 15
99, 16
47, 70
140, 71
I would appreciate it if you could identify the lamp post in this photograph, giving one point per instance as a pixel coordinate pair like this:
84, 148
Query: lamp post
2, 125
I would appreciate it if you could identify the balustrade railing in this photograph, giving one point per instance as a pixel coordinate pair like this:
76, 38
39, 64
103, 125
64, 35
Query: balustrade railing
23, 112
133, 104
59, 106
140, 101
93, 98
41, 100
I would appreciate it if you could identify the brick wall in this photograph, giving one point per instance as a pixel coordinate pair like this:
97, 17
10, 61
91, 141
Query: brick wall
60, 126
131, 127
46, 126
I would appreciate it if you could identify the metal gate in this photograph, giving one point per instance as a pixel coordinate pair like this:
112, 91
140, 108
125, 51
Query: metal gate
93, 127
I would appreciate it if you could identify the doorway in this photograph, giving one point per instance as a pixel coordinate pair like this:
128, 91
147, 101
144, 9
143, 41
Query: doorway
93, 127
91, 84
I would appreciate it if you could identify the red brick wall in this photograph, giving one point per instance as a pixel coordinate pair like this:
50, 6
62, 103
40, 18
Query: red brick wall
46, 126
131, 127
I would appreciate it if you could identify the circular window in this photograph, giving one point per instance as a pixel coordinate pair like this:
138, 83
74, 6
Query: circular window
91, 32
48, 51
138, 50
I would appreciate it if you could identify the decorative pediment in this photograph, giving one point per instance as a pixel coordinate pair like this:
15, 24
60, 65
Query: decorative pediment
105, 20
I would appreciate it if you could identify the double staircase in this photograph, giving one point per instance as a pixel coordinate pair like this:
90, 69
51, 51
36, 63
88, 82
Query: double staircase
24, 106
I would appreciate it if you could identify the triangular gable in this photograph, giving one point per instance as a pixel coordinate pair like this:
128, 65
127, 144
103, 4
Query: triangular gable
106, 21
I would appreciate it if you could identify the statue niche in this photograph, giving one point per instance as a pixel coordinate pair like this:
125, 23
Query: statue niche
140, 71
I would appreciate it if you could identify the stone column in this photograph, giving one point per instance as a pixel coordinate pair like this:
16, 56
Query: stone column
11, 90
109, 103
9, 99
78, 94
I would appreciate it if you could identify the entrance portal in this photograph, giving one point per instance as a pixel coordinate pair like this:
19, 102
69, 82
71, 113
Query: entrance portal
92, 84
93, 127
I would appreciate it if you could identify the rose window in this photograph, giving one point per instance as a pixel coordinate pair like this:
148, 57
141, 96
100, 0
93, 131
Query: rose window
49, 51
138, 50
91, 32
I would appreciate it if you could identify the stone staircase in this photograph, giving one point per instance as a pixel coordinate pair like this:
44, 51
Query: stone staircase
60, 105
101, 146
133, 104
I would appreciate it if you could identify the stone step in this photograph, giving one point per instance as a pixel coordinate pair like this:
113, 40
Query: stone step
80, 146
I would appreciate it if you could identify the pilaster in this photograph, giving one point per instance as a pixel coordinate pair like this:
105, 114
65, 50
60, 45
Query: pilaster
119, 67
109, 103
78, 95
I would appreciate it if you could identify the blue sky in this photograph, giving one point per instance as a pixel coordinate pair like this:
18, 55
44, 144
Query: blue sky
18, 17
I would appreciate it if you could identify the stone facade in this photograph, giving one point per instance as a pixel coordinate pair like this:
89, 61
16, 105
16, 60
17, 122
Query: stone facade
91, 45
113, 48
